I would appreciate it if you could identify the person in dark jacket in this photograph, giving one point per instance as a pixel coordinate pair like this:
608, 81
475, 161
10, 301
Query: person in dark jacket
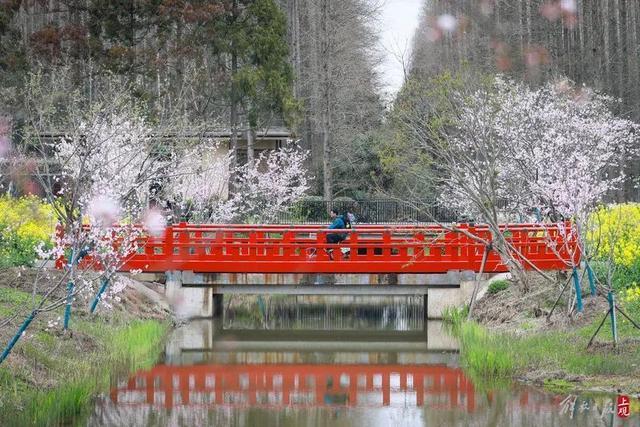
336, 224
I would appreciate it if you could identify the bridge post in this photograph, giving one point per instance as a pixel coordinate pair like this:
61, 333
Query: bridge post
187, 297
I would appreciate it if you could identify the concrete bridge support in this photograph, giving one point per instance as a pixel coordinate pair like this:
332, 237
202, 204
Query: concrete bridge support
200, 295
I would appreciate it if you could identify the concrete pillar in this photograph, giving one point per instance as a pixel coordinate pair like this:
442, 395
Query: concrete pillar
440, 298
187, 302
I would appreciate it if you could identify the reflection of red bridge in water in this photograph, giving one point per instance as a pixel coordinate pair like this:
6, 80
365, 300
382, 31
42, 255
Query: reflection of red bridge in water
276, 385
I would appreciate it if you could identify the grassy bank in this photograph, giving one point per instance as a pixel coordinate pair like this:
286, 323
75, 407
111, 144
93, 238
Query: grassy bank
51, 378
557, 358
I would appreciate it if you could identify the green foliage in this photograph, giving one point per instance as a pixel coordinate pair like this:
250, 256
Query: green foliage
455, 315
482, 354
358, 170
25, 223
267, 76
631, 301
497, 286
419, 101
622, 277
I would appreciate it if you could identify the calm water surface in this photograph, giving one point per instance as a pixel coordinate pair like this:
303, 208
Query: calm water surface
329, 361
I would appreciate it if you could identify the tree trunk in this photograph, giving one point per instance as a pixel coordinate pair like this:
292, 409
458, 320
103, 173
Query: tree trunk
251, 138
325, 120
233, 108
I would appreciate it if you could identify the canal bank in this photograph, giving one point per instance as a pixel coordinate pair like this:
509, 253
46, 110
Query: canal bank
51, 377
516, 336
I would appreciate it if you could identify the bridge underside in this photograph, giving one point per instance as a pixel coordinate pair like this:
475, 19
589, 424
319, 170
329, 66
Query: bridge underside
196, 295
266, 280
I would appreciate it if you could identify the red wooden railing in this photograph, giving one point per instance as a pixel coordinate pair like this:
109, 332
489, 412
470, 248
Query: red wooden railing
372, 249
296, 385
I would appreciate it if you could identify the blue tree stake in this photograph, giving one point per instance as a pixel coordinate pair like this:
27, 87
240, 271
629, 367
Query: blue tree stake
576, 283
612, 310
67, 310
17, 336
96, 300
592, 282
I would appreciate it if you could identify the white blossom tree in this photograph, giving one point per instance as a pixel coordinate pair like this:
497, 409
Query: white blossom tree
95, 163
272, 184
269, 185
505, 147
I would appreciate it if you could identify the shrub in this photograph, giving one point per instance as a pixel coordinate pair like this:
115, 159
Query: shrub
309, 208
25, 222
623, 277
497, 286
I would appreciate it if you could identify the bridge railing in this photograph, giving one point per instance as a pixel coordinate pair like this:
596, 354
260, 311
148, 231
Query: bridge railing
367, 249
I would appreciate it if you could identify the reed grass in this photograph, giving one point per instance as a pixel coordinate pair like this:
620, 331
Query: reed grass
496, 356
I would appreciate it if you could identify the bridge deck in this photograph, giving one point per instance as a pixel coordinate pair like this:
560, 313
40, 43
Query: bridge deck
210, 248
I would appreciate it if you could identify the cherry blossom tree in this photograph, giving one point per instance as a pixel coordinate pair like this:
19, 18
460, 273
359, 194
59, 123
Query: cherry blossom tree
200, 184
499, 148
269, 185
95, 163
272, 184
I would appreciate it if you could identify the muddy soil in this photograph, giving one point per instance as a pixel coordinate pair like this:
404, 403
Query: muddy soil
515, 311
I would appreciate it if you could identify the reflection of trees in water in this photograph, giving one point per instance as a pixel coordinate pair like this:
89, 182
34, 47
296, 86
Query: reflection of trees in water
299, 312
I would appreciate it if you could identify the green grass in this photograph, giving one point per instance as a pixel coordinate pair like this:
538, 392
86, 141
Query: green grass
490, 357
557, 386
497, 286
110, 348
454, 316
12, 300
482, 353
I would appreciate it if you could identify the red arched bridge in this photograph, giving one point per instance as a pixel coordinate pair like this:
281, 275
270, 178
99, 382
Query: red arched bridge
210, 248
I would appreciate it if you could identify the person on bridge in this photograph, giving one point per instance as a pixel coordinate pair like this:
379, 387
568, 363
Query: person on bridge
338, 223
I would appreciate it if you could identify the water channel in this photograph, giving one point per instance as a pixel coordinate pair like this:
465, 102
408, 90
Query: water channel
328, 361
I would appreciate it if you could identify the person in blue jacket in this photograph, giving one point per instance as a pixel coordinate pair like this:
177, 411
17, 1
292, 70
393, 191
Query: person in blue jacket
337, 224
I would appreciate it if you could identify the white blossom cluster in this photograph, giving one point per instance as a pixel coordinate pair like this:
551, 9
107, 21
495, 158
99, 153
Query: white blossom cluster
555, 148
272, 184
269, 185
